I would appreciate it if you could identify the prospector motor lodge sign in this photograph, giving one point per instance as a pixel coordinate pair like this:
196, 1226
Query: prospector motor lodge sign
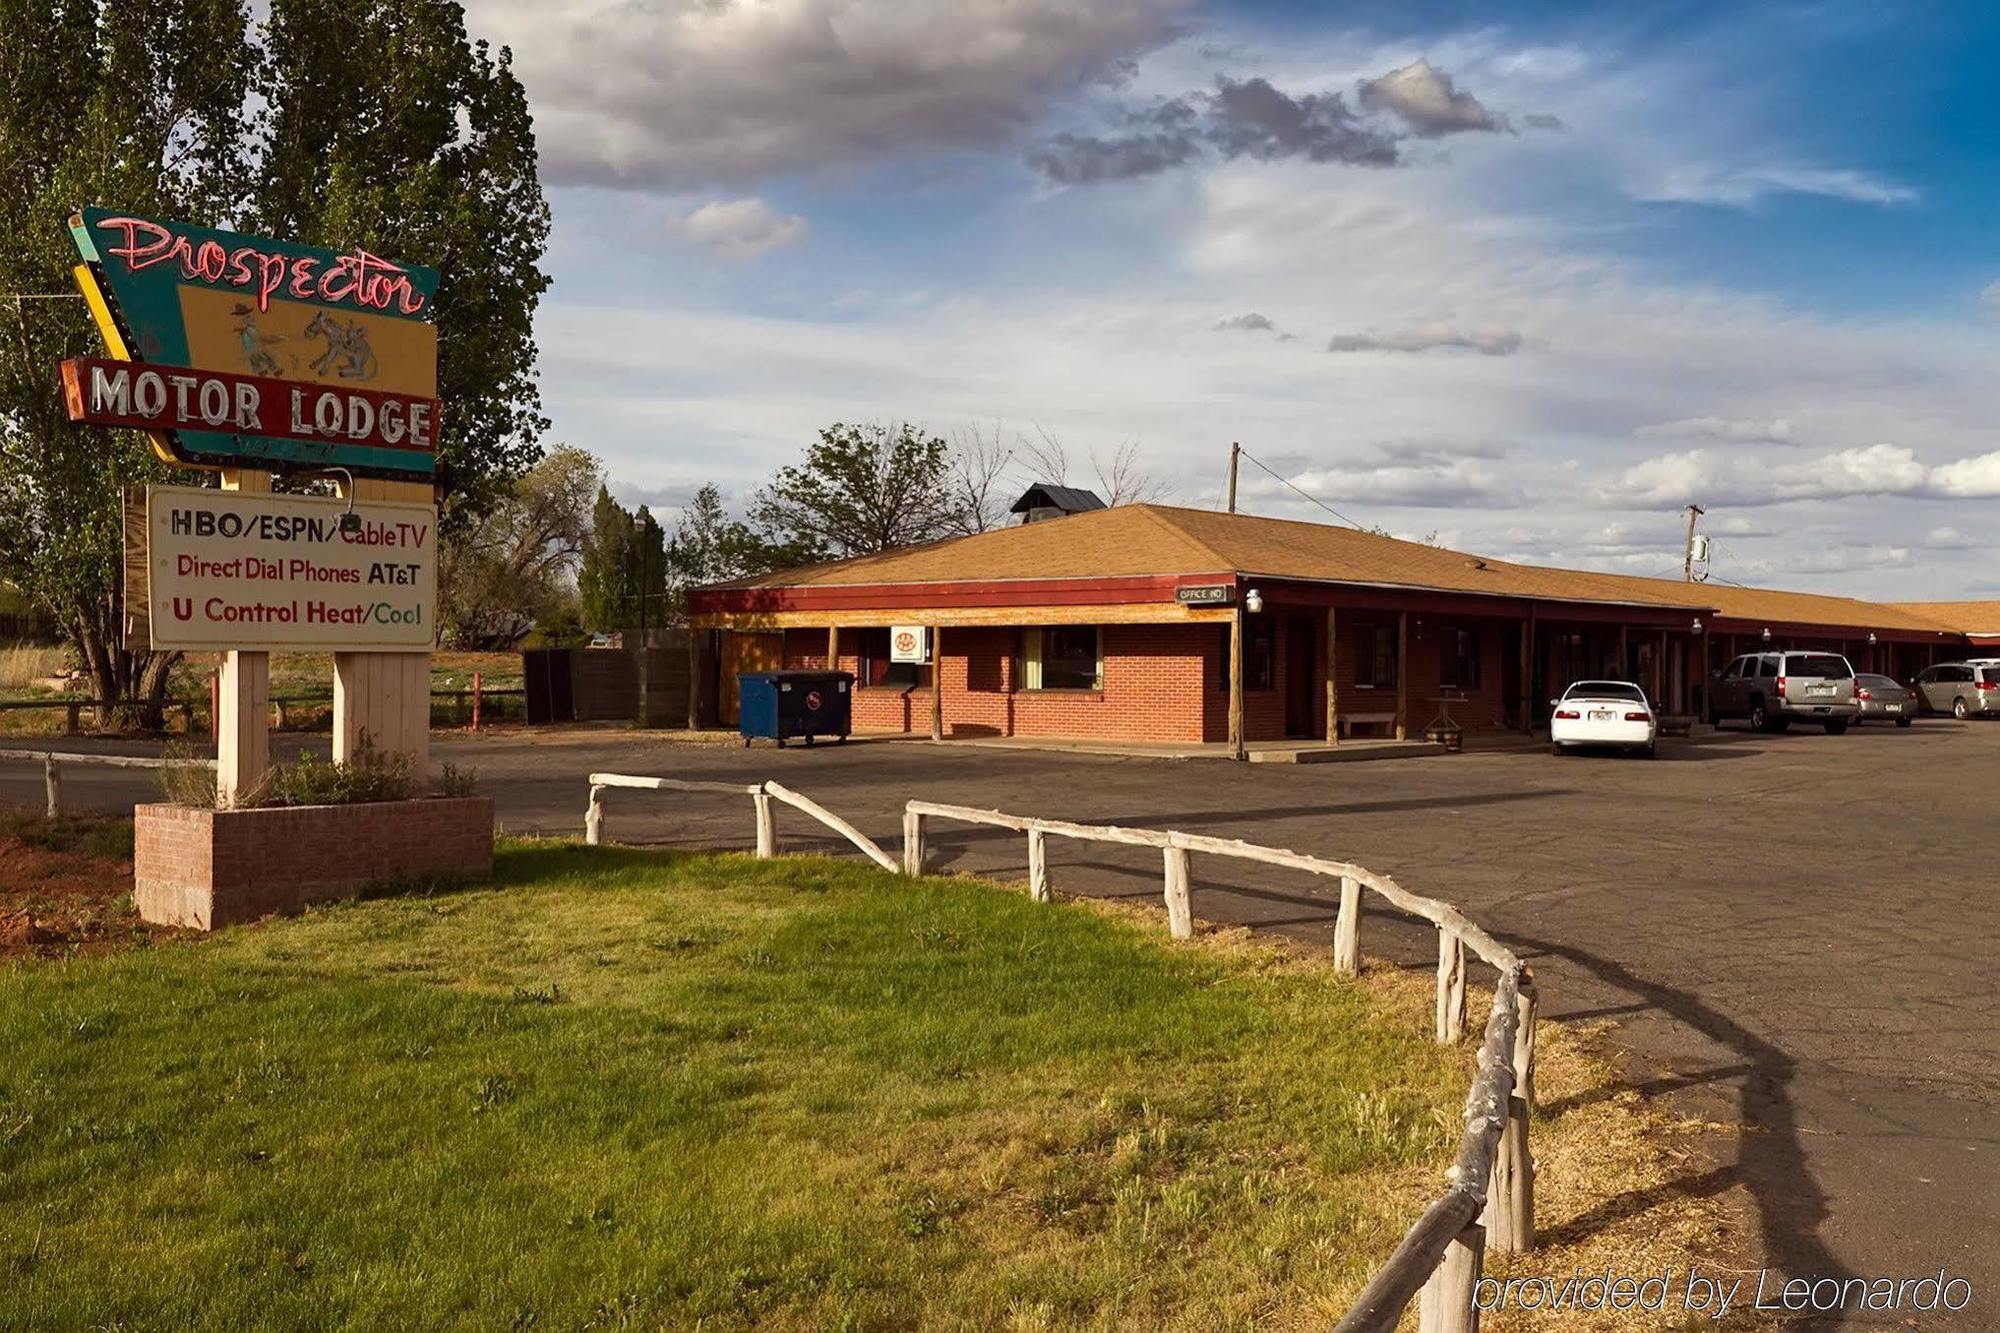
262, 573
236, 351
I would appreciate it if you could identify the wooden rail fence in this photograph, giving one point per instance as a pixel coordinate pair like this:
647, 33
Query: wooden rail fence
1489, 1201
53, 761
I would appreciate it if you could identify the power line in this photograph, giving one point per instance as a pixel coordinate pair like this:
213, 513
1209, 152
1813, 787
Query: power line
1286, 481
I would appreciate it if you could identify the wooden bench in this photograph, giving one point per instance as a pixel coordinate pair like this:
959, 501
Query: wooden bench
1347, 722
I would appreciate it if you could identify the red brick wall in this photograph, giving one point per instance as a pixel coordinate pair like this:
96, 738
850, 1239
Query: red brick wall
1161, 682
209, 868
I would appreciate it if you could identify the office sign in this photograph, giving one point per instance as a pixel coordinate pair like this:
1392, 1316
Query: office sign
342, 335
909, 643
211, 569
1211, 594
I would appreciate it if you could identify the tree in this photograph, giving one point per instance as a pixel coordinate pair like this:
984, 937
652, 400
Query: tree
144, 106
623, 581
514, 568
860, 490
1121, 478
979, 464
389, 130
339, 123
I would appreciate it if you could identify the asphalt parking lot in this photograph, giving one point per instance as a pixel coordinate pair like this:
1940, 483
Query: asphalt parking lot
1794, 934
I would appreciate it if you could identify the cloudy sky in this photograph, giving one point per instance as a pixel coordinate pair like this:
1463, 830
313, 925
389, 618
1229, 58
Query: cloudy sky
1523, 277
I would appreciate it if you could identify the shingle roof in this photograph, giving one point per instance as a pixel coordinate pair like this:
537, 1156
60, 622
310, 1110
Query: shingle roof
1159, 540
1981, 618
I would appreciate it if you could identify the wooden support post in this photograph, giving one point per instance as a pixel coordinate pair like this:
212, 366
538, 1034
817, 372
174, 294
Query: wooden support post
937, 683
913, 843
1038, 865
1446, 1303
242, 727
52, 783
1660, 674
476, 691
1347, 928
72, 718
385, 697
593, 817
1528, 672
1332, 677
1619, 674
767, 826
1450, 987
1180, 908
1402, 675
833, 647
243, 712
694, 679
1236, 745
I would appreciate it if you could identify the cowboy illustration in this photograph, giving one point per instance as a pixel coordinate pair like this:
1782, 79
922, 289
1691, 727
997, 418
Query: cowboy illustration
347, 353
256, 343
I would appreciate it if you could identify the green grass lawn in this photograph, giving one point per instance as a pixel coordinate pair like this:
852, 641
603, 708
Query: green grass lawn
629, 1089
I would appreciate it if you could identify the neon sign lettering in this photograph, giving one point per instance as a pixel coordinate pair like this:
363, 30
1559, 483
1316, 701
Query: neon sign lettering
358, 279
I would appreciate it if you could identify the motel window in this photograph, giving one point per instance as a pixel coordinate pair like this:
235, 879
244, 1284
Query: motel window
1062, 657
1375, 656
1458, 660
1260, 655
877, 669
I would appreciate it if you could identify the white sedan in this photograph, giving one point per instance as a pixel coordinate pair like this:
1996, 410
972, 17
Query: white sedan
1611, 713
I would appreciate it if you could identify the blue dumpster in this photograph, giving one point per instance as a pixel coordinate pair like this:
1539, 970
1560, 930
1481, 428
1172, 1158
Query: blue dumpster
783, 705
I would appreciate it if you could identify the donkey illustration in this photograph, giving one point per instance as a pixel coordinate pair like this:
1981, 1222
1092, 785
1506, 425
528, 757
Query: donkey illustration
347, 353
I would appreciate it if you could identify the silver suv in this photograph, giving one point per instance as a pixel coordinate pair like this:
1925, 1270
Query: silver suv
1773, 690
1963, 689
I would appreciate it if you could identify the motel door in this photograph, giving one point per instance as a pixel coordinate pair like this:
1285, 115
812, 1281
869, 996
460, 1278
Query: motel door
1302, 717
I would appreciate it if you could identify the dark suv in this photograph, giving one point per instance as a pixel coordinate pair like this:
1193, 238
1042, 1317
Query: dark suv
1772, 690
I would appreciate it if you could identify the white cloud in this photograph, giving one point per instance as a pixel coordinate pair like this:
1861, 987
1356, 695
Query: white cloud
1774, 430
1703, 476
738, 229
1701, 183
1438, 483
685, 93
1950, 539
1427, 338
1426, 100
1990, 295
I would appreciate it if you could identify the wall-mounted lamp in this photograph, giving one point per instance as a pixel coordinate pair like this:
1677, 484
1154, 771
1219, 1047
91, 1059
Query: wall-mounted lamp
1253, 601
1696, 627
1871, 638
1767, 634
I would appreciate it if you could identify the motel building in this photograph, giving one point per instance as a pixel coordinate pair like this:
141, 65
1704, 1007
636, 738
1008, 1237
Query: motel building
1185, 627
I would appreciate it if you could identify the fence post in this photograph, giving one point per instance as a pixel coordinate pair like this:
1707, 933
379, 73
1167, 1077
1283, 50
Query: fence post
767, 827
52, 780
1524, 1038
1510, 1194
1347, 930
593, 817
1445, 1304
913, 843
477, 687
70, 719
1451, 987
1180, 910
1038, 865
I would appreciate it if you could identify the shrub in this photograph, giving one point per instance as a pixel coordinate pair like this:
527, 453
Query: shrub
451, 780
185, 778
370, 775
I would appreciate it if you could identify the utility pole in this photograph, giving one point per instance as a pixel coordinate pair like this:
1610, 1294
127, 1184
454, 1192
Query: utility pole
1687, 560
1235, 452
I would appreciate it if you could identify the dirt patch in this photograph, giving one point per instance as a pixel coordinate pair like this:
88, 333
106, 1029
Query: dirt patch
66, 887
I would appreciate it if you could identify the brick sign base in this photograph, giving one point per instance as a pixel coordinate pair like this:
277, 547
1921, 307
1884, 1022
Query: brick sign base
210, 868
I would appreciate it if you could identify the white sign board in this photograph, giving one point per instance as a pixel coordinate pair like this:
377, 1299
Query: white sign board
286, 573
909, 643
